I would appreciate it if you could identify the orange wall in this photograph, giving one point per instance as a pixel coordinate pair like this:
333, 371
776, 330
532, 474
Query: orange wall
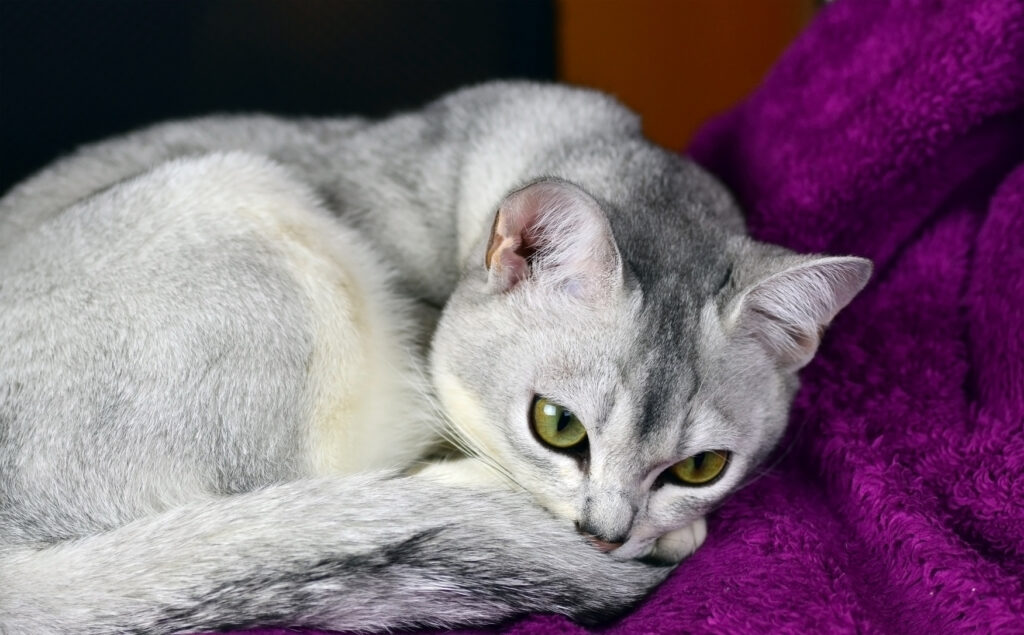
677, 62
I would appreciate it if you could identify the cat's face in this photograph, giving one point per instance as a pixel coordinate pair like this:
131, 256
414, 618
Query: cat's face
628, 406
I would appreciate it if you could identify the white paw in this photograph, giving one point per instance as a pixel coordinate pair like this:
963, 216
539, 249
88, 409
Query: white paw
680, 543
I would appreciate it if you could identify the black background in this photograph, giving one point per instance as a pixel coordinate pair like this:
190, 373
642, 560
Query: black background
73, 71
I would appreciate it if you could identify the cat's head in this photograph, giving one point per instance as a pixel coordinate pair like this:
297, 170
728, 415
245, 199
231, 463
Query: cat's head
629, 390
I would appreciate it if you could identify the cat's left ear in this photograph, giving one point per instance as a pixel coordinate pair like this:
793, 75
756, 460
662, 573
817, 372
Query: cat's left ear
552, 233
788, 310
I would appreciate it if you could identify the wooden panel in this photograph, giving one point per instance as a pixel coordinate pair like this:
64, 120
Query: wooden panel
677, 62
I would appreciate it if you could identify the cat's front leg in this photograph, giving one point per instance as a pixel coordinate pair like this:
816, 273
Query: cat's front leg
679, 544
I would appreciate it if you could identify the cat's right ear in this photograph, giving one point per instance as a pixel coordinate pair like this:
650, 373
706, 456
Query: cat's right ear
552, 233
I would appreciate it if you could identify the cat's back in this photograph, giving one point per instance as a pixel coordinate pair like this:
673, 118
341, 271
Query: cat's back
201, 327
100, 165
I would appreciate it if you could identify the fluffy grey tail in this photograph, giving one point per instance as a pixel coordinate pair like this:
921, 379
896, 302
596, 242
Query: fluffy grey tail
362, 554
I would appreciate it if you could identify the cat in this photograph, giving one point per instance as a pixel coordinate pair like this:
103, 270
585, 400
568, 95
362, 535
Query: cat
497, 356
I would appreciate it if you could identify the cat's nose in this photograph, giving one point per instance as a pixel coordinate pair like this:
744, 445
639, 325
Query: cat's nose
606, 517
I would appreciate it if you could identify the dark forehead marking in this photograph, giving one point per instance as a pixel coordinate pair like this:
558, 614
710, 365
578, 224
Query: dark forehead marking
680, 261
669, 340
663, 405
667, 223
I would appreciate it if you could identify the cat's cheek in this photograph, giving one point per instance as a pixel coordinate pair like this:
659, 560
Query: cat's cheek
679, 544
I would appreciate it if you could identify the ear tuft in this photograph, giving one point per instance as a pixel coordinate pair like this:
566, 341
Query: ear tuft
551, 232
789, 310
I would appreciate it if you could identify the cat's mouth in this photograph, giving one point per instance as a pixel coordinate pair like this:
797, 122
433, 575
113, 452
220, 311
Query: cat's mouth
603, 545
657, 548
632, 548
606, 546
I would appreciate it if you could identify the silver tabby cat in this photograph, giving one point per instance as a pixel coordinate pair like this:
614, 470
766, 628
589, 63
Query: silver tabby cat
231, 348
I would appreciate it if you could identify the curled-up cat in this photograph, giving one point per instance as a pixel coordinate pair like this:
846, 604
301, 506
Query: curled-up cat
230, 348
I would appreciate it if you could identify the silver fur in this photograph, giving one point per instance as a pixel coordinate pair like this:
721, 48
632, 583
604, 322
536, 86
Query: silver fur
220, 372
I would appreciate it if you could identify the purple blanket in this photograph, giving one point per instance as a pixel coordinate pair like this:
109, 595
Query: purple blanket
892, 130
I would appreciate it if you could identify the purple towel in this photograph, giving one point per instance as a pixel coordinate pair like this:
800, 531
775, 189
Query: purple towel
893, 130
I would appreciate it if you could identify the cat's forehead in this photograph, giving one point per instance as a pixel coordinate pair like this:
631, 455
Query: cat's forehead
662, 368
642, 351
677, 272
664, 364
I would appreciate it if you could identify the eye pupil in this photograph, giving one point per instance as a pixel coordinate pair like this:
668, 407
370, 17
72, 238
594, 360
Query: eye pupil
564, 420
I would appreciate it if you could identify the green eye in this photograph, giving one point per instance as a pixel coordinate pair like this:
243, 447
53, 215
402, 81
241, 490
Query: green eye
702, 468
556, 426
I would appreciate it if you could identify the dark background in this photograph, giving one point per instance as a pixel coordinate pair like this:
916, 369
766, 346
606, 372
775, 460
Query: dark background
73, 71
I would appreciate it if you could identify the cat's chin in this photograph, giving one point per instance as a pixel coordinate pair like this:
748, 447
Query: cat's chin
671, 548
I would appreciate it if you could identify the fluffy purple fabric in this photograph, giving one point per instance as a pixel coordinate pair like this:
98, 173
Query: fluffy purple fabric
893, 130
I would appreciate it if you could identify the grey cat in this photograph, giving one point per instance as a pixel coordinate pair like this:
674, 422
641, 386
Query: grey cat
231, 349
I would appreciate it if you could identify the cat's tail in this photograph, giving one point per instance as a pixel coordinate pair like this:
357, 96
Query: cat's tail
364, 554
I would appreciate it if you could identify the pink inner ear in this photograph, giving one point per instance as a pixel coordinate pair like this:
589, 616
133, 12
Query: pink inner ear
507, 257
505, 238
554, 231
513, 244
